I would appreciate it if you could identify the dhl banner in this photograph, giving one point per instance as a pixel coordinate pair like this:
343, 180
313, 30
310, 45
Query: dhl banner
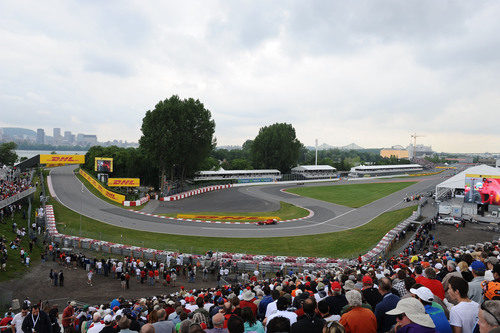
61, 159
224, 217
54, 165
126, 182
107, 193
482, 176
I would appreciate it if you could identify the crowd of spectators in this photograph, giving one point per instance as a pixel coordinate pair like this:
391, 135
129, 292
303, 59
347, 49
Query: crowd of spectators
12, 183
425, 289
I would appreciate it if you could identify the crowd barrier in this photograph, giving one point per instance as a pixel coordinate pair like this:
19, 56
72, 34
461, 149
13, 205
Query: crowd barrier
188, 194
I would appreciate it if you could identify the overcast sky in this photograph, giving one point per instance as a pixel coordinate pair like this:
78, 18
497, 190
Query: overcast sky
368, 72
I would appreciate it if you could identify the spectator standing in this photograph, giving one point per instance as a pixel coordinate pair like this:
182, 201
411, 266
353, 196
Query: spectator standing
250, 322
68, 317
370, 294
425, 296
163, 325
310, 322
17, 321
488, 316
411, 317
388, 302
464, 315
108, 324
218, 322
282, 305
430, 281
475, 289
358, 319
336, 300
248, 298
37, 321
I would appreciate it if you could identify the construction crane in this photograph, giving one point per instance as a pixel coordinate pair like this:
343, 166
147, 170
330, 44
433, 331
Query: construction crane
414, 136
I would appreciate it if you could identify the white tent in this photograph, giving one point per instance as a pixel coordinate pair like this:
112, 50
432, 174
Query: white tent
458, 181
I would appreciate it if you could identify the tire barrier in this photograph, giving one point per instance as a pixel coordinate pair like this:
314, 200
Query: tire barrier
139, 202
386, 242
188, 194
243, 261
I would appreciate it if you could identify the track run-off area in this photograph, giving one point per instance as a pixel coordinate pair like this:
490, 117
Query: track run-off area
325, 217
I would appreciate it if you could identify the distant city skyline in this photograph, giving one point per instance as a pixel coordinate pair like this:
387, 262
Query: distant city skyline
368, 72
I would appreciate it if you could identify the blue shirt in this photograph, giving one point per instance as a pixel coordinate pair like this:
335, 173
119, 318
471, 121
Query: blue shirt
263, 305
385, 322
439, 319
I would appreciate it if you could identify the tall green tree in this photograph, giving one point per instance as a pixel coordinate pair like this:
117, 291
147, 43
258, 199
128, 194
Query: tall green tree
276, 147
8, 155
177, 136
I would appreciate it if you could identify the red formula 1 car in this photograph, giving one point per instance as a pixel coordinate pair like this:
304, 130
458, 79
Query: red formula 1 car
267, 222
485, 192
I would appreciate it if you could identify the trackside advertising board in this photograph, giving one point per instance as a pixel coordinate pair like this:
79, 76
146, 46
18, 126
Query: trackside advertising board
107, 193
125, 182
482, 189
61, 159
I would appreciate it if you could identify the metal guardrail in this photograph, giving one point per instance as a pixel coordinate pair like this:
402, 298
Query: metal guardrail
17, 197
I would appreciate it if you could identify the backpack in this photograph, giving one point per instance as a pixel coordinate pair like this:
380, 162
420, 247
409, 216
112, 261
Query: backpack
491, 290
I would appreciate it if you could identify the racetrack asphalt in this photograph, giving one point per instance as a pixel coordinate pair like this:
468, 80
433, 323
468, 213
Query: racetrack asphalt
327, 217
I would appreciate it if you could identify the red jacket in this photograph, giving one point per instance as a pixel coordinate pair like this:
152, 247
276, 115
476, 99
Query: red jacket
249, 304
434, 285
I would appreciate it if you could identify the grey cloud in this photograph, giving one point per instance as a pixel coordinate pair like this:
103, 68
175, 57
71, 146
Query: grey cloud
107, 65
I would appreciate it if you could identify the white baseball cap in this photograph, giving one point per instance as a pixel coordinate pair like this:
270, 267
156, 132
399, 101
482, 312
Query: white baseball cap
424, 293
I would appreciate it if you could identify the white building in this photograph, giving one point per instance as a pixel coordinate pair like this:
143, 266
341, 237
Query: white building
315, 171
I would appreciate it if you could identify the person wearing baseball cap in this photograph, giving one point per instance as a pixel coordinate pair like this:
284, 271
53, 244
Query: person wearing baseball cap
426, 297
370, 294
475, 289
335, 299
411, 317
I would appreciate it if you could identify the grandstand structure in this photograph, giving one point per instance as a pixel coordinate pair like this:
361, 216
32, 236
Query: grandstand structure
383, 170
315, 171
239, 176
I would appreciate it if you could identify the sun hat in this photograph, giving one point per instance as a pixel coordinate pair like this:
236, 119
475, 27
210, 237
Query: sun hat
108, 318
72, 303
414, 310
248, 295
424, 293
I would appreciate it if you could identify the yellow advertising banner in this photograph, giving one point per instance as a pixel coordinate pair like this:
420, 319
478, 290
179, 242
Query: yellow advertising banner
225, 217
482, 176
107, 193
61, 159
54, 165
125, 182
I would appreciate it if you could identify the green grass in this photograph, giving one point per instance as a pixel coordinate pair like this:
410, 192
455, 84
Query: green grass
287, 211
337, 244
14, 266
98, 194
355, 195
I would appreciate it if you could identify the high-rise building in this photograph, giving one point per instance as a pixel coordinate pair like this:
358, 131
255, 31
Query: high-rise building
57, 135
40, 136
68, 137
